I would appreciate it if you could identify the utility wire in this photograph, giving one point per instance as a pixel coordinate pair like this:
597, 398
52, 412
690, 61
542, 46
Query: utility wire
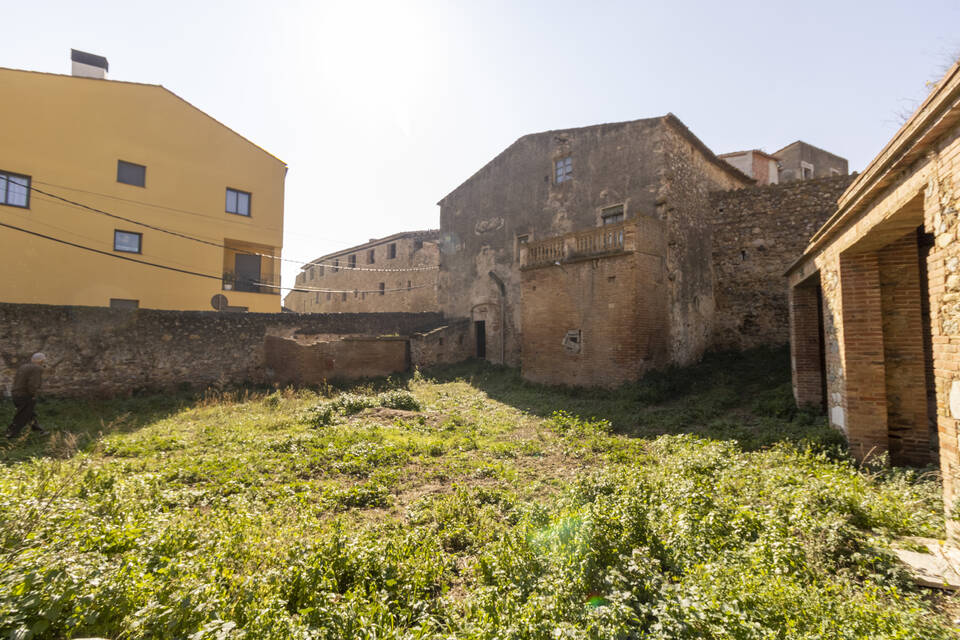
175, 209
185, 236
193, 273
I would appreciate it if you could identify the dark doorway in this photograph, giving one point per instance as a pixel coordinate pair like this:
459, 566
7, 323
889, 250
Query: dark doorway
247, 272
480, 328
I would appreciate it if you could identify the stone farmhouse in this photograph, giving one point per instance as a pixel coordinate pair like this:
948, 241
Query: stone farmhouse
589, 256
395, 273
875, 299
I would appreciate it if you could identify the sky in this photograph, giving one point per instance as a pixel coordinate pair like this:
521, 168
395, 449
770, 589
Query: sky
381, 108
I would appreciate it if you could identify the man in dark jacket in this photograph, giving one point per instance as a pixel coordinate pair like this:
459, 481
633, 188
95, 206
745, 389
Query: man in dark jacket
26, 385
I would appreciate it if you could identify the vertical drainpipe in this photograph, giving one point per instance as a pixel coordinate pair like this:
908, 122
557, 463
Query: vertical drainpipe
503, 311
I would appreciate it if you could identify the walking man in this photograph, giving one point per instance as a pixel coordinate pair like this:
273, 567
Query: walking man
26, 385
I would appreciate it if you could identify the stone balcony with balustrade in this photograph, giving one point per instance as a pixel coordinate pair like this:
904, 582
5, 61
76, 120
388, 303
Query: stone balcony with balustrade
608, 240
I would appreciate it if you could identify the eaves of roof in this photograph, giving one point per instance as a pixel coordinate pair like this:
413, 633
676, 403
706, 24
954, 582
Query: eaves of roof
939, 112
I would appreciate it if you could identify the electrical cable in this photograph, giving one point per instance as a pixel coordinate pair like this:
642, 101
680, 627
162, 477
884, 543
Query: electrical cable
212, 243
195, 273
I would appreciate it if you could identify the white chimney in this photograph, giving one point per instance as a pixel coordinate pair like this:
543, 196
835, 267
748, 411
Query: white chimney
87, 65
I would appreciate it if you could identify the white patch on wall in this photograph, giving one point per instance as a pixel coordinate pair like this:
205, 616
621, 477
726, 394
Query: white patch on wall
955, 399
838, 419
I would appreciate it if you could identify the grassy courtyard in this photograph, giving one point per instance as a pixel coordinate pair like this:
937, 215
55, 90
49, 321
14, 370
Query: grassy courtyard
461, 503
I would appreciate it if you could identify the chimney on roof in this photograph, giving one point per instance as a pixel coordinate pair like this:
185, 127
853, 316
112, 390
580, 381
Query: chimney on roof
87, 65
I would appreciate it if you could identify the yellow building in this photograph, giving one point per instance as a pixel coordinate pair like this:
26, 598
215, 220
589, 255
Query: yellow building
123, 194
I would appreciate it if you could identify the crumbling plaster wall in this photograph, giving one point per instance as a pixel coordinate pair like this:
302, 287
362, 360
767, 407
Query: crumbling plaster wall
686, 179
758, 232
650, 166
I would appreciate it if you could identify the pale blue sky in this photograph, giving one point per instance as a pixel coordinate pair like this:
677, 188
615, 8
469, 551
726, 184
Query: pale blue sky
381, 108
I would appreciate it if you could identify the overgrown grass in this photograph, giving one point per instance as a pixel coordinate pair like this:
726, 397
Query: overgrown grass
462, 503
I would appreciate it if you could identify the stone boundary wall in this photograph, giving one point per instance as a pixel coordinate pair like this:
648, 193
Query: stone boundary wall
758, 233
341, 358
103, 351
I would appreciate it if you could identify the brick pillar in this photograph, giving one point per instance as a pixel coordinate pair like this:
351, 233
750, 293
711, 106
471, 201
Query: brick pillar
805, 356
903, 352
865, 414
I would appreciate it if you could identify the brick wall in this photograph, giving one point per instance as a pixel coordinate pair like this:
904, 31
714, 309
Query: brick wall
616, 303
95, 350
805, 354
903, 352
304, 361
866, 401
758, 233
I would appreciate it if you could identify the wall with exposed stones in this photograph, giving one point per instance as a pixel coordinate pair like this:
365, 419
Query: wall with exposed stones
453, 342
102, 351
758, 232
315, 360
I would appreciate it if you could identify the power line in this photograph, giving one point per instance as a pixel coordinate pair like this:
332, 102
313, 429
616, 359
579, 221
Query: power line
185, 236
192, 273
174, 209
107, 253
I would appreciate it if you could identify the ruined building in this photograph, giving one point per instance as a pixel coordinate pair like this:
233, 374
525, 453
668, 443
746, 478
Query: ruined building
653, 172
875, 298
396, 273
589, 256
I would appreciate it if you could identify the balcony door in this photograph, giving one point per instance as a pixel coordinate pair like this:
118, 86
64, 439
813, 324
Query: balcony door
247, 270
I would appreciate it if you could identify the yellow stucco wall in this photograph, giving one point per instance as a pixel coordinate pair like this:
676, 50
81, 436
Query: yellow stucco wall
67, 134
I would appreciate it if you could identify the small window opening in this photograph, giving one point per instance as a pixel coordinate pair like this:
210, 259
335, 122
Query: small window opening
371, 256
563, 169
383, 288
612, 215
391, 251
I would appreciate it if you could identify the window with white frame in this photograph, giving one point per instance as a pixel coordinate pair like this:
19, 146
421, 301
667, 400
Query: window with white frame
563, 170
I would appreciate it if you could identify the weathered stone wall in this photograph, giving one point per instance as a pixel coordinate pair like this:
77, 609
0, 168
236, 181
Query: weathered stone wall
612, 304
304, 361
409, 279
93, 350
516, 196
450, 343
687, 178
758, 232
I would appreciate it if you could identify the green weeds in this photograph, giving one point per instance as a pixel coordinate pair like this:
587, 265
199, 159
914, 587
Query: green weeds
698, 503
